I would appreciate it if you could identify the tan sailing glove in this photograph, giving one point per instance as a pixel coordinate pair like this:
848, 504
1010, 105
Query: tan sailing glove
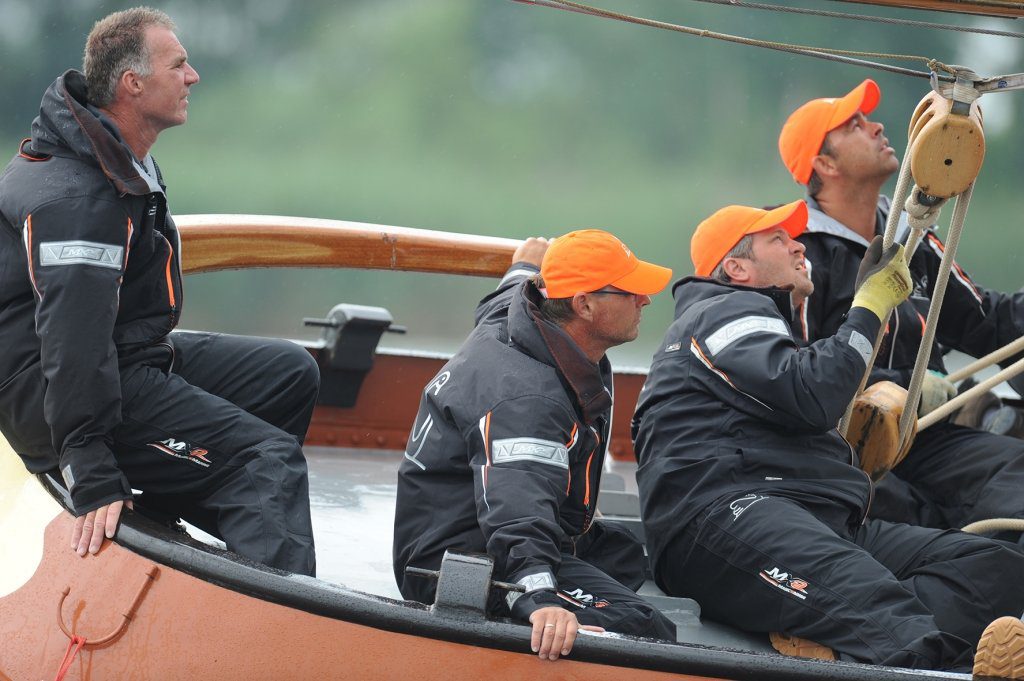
935, 392
883, 280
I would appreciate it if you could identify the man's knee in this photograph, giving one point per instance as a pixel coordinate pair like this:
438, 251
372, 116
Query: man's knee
301, 368
281, 480
653, 623
280, 462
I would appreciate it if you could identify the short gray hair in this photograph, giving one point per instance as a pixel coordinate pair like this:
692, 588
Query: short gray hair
744, 248
117, 43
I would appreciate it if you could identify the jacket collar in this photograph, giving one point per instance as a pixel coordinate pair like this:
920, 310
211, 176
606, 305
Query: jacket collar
690, 290
820, 223
66, 122
586, 382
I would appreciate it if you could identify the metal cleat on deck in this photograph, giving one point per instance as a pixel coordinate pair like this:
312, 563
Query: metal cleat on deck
463, 584
350, 336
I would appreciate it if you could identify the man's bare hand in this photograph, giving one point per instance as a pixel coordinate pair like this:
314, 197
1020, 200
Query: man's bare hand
532, 250
554, 632
89, 529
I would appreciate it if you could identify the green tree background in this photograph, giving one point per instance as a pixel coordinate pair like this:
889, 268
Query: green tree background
501, 118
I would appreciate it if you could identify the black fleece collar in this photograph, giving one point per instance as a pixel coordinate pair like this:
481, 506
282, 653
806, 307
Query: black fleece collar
690, 290
66, 122
548, 343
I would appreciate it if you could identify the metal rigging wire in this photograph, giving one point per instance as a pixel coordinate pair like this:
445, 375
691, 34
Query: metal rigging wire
830, 54
864, 17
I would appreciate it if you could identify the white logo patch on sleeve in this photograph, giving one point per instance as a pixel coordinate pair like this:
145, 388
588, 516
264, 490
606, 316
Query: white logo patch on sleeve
80, 253
862, 345
69, 477
518, 272
538, 580
530, 449
737, 329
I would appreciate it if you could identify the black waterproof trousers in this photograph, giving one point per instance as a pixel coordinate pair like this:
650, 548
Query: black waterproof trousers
954, 476
212, 432
880, 593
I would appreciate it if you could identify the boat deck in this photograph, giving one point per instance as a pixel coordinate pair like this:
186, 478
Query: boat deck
352, 496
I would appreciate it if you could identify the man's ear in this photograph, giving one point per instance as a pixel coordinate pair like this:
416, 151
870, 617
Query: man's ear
130, 83
583, 306
738, 269
824, 165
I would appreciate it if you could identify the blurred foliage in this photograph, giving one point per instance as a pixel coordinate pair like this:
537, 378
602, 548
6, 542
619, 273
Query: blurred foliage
494, 117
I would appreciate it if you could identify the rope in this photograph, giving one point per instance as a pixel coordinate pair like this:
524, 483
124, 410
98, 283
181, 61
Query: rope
956, 225
963, 398
995, 525
1011, 348
74, 645
826, 53
1005, 83
963, 89
921, 216
899, 196
864, 17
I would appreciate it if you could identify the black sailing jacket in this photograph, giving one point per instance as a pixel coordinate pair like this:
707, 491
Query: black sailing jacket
733, 406
89, 269
974, 320
506, 452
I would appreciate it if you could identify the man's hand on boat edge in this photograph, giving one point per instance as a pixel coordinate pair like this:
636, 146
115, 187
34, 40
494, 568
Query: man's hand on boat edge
89, 529
554, 632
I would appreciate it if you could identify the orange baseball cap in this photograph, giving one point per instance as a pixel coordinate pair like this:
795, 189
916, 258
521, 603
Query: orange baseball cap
805, 130
590, 259
717, 235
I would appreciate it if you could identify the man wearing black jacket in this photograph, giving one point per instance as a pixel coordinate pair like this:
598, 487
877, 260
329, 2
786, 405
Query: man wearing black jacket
751, 500
506, 452
93, 385
952, 475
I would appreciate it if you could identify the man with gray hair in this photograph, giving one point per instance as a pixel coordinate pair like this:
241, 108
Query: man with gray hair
93, 384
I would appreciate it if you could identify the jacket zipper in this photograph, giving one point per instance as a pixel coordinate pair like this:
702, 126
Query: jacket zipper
169, 276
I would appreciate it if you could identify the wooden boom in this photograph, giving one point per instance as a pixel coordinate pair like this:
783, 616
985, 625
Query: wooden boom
224, 242
996, 8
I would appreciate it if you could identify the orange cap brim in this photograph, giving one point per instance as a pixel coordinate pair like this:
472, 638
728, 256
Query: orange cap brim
792, 217
646, 279
863, 98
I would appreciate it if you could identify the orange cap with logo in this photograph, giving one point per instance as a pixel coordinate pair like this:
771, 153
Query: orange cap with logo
717, 235
590, 259
805, 130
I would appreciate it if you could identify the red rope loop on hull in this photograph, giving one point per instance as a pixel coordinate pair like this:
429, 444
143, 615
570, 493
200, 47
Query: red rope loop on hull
74, 645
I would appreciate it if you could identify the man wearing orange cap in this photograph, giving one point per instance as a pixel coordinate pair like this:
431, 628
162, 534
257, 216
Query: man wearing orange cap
953, 475
750, 501
506, 452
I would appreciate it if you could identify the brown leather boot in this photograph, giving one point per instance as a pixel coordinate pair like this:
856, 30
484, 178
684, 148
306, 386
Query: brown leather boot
1001, 650
800, 647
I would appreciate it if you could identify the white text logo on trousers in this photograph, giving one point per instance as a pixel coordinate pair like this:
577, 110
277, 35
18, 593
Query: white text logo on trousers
180, 449
738, 506
582, 600
791, 584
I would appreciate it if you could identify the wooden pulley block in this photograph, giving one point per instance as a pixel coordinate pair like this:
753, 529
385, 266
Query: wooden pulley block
946, 149
874, 431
